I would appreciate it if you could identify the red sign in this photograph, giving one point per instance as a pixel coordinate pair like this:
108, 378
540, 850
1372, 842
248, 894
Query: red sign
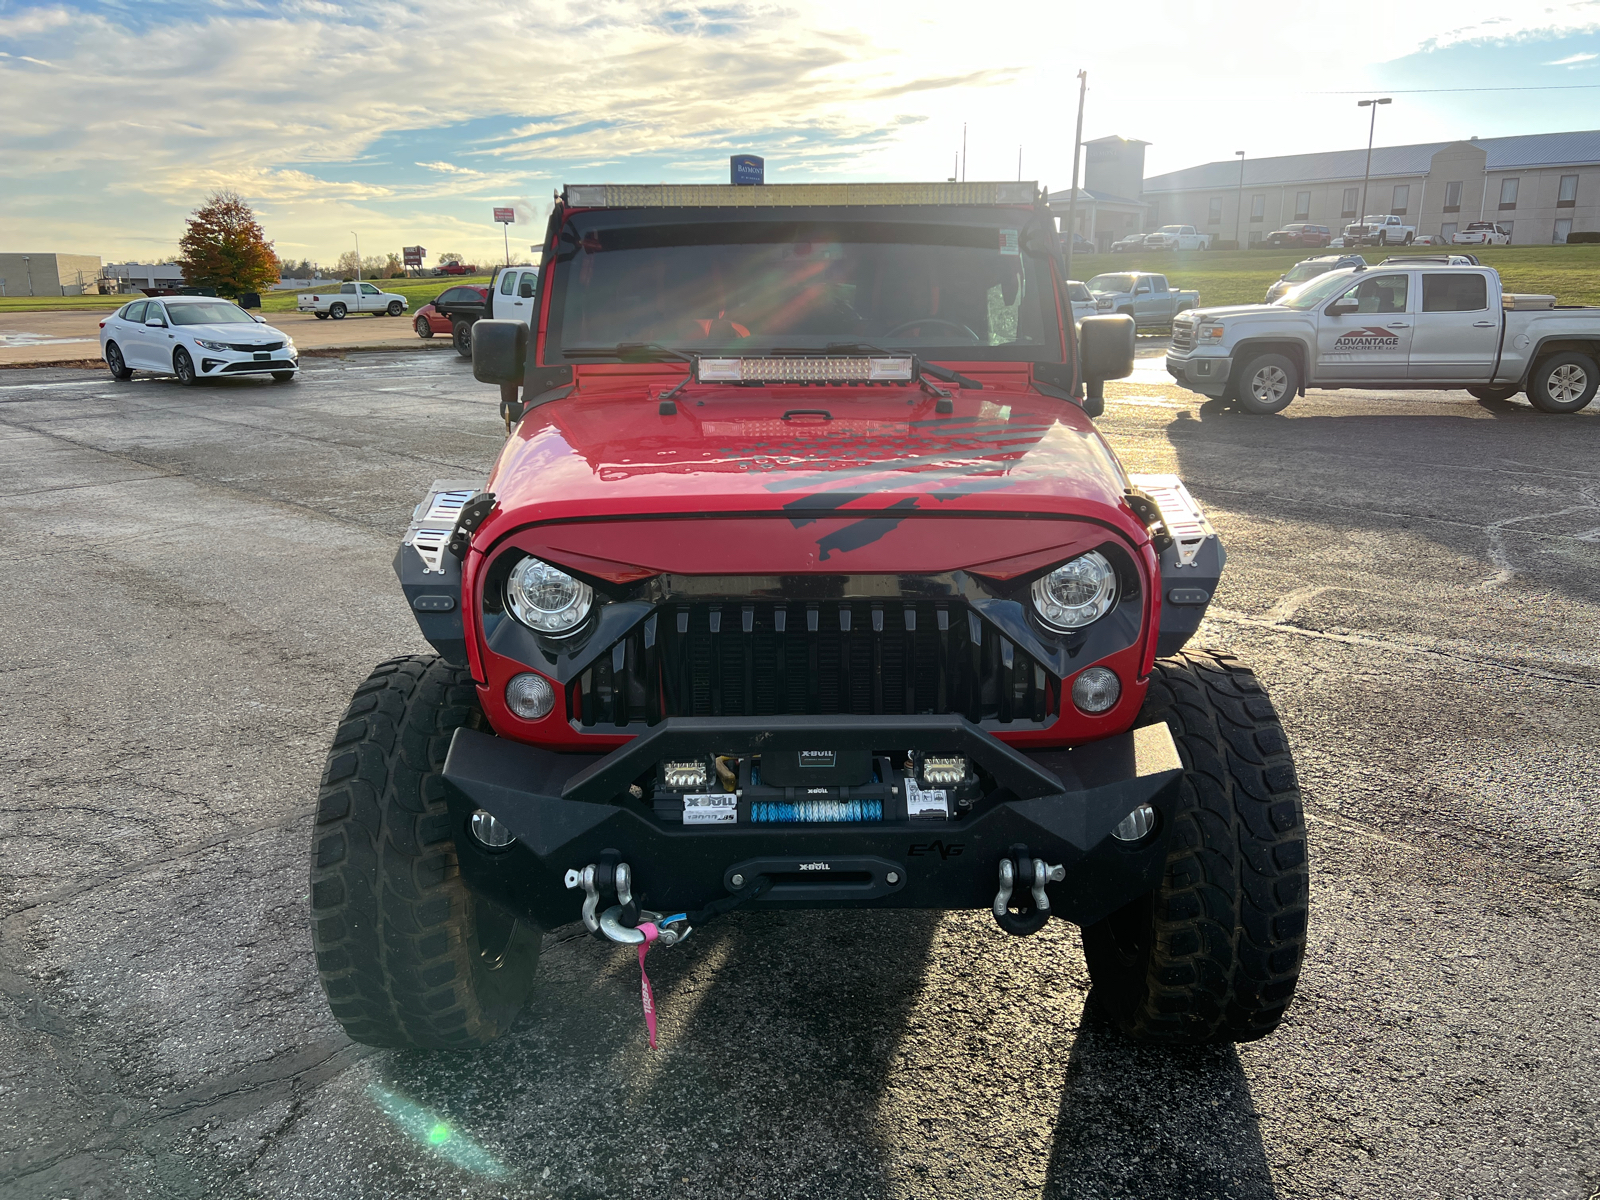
506, 216
414, 255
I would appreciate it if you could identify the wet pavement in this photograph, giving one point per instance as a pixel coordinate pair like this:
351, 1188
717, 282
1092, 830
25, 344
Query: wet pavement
197, 578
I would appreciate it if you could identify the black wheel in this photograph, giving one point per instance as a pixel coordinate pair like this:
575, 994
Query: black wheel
337, 311
322, 316
1213, 954
183, 367
1383, 238
461, 336
396, 308
1492, 393
1410, 237
283, 377
120, 370
1267, 384
424, 327
407, 955
1563, 383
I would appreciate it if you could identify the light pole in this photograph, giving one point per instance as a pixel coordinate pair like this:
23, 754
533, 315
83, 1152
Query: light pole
1238, 207
1372, 126
357, 237
1072, 196
28, 262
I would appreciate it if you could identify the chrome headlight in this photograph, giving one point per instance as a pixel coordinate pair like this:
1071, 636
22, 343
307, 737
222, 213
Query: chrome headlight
1209, 332
211, 345
1076, 593
546, 598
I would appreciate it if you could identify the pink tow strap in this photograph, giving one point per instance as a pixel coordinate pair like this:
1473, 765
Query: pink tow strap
651, 933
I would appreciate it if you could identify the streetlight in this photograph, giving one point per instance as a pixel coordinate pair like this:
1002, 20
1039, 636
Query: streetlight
28, 262
1372, 126
1238, 207
357, 237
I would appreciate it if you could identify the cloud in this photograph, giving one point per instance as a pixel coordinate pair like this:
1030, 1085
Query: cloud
1573, 60
364, 114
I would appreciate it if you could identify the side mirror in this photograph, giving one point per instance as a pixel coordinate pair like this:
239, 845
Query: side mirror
499, 351
155, 323
525, 292
1141, 290
1105, 347
1339, 310
261, 320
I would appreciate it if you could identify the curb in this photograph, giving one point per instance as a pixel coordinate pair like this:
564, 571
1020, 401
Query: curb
94, 364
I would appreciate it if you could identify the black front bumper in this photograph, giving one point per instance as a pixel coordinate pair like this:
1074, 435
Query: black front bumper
566, 809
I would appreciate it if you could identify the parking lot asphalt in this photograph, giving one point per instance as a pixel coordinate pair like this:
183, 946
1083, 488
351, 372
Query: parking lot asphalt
197, 579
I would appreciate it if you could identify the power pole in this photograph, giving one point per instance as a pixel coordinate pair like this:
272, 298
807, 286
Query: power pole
963, 152
1238, 207
1372, 126
1072, 196
357, 237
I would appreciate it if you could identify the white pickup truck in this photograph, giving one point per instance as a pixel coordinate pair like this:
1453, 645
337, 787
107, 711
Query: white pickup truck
1380, 231
1177, 237
350, 298
1427, 326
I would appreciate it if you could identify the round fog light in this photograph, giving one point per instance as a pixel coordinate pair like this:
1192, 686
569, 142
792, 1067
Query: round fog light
1096, 690
1136, 824
493, 834
530, 696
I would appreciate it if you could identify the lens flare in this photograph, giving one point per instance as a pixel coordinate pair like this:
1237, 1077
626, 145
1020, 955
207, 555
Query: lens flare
429, 1130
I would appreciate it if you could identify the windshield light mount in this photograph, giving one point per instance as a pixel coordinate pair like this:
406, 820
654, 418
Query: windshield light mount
807, 369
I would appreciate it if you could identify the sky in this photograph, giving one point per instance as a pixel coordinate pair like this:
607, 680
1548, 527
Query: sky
405, 122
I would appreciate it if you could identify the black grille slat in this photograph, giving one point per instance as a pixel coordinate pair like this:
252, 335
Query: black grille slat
768, 658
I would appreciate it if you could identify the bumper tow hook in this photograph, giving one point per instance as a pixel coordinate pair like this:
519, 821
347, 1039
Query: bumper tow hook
1027, 913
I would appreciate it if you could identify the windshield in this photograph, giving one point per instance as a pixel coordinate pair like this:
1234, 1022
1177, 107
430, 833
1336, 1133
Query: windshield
972, 281
1170, 229
1112, 283
1314, 293
217, 312
1301, 272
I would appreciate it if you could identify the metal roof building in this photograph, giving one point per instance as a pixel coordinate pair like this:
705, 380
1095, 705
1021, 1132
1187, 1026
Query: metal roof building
1541, 186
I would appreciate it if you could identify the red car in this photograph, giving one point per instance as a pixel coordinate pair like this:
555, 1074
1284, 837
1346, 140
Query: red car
1300, 234
431, 321
804, 580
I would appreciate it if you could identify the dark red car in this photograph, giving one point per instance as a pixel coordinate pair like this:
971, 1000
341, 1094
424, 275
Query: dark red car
805, 581
1300, 234
431, 321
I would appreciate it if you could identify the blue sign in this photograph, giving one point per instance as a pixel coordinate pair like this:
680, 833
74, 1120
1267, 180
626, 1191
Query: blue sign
746, 169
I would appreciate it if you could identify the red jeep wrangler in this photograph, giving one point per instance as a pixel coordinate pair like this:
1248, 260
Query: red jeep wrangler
804, 580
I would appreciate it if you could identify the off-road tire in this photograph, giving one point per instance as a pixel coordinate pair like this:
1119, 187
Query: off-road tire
407, 955
1563, 383
116, 364
395, 308
1213, 954
337, 311
461, 337
423, 326
1267, 384
183, 368
1492, 393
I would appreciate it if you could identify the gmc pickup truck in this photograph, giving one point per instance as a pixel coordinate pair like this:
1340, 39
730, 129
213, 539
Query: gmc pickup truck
352, 297
1431, 326
1146, 298
1387, 230
1177, 237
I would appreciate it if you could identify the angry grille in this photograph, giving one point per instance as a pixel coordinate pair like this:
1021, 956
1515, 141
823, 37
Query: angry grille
839, 657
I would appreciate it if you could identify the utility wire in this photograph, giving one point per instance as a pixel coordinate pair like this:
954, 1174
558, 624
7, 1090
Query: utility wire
1554, 87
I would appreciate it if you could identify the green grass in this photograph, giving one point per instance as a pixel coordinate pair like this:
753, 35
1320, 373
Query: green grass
417, 291
1569, 273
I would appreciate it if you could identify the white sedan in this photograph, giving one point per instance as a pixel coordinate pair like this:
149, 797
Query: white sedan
194, 338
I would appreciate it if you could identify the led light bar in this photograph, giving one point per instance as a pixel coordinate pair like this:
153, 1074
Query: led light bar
777, 195
804, 370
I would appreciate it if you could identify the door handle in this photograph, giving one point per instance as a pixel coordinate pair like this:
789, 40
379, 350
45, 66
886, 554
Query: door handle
1398, 325
1483, 324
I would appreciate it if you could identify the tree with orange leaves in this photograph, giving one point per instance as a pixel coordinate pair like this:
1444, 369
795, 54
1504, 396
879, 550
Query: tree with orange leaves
224, 248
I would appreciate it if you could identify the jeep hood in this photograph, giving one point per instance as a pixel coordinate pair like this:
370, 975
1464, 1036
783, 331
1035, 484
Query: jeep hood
841, 463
